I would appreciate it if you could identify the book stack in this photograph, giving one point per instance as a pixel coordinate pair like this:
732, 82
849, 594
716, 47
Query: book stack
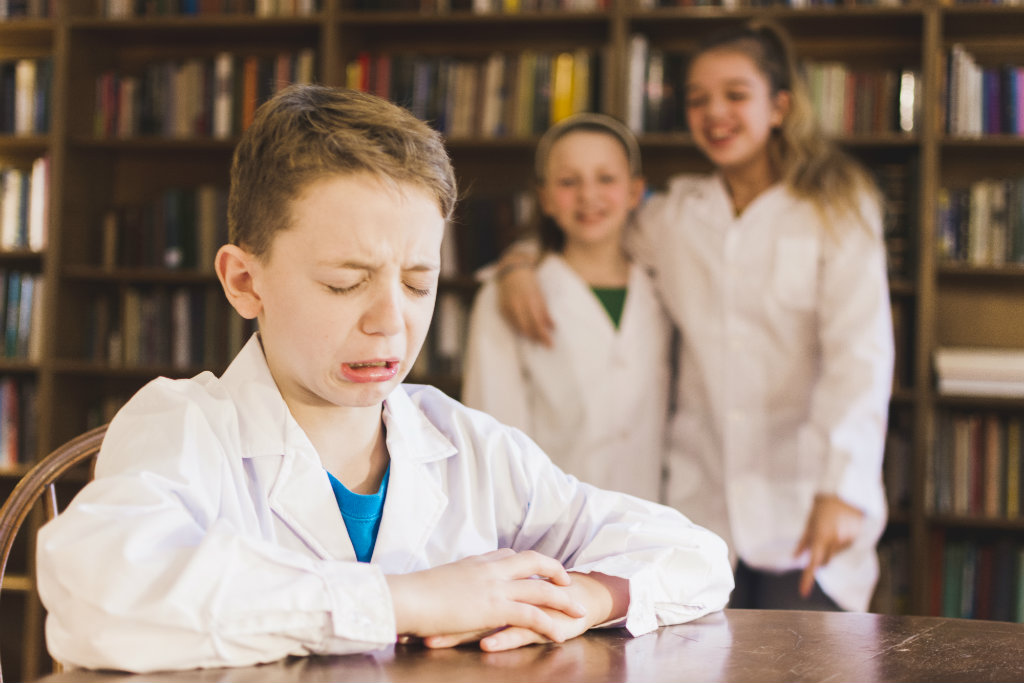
181, 229
864, 101
971, 371
158, 327
24, 197
982, 100
122, 9
20, 314
25, 95
501, 95
977, 465
197, 97
17, 421
31, 9
982, 224
975, 579
847, 101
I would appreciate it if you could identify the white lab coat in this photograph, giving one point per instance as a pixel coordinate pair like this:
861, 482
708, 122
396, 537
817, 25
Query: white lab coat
596, 400
786, 370
211, 537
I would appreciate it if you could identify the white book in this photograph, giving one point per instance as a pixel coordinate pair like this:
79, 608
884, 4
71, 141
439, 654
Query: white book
181, 329
38, 207
25, 96
979, 364
636, 87
223, 93
981, 387
12, 180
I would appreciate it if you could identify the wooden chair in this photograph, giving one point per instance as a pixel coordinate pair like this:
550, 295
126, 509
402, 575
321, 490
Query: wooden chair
39, 484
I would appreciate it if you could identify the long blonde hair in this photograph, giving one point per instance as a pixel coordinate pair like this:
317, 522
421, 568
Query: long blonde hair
805, 159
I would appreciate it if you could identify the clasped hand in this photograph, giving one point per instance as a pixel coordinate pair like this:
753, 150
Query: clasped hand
504, 599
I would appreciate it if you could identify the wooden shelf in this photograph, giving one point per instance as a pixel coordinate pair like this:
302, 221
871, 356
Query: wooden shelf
943, 302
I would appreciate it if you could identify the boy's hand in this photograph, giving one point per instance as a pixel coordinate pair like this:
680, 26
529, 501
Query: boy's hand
522, 303
604, 597
485, 592
831, 528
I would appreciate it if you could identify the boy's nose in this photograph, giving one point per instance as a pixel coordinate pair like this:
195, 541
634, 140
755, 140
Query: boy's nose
384, 313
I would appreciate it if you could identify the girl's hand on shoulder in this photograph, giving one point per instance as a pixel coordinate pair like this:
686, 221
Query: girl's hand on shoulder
522, 302
832, 527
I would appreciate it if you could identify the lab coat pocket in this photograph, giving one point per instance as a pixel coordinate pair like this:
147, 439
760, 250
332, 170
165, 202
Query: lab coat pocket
795, 277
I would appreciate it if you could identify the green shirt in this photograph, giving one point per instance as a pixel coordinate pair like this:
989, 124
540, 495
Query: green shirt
613, 299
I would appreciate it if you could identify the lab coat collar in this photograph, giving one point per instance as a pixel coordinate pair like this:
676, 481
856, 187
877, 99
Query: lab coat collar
299, 491
718, 203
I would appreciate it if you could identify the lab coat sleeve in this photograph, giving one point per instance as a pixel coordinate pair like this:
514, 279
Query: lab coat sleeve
849, 409
677, 571
493, 379
158, 563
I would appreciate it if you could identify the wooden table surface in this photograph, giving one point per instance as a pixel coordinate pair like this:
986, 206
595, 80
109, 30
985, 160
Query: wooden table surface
735, 645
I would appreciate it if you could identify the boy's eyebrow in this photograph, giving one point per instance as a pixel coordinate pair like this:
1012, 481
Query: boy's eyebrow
366, 265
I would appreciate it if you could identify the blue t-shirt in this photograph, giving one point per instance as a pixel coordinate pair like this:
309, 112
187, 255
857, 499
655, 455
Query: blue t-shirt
361, 513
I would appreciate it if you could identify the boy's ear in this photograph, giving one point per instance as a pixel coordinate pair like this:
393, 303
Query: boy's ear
235, 268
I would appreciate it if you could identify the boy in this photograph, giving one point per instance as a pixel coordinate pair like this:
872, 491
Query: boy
214, 533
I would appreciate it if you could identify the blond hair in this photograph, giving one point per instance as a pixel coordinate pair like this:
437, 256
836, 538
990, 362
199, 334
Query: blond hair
307, 132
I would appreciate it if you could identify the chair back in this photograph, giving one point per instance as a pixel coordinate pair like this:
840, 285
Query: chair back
39, 483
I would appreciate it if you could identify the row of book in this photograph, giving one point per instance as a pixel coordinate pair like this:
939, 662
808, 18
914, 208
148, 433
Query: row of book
517, 6
199, 97
982, 224
25, 95
795, 4
32, 9
976, 465
24, 202
21, 297
977, 579
502, 95
181, 229
864, 101
847, 101
18, 434
184, 328
121, 9
981, 99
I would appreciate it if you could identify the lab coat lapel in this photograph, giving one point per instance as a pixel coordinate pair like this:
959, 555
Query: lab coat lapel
282, 460
301, 496
416, 498
581, 313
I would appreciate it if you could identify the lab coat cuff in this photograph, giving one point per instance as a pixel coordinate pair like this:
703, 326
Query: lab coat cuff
360, 604
641, 616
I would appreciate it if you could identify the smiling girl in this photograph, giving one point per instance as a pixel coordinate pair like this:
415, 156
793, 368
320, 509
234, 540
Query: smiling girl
595, 400
773, 270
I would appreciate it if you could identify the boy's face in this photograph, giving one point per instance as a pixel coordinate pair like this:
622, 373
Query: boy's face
347, 291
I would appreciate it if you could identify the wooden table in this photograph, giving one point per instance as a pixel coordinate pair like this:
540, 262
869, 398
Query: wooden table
736, 645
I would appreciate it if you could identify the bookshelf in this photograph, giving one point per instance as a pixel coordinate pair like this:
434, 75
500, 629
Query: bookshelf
110, 176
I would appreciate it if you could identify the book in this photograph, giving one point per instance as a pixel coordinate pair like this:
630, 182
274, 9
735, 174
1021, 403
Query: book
980, 370
562, 86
